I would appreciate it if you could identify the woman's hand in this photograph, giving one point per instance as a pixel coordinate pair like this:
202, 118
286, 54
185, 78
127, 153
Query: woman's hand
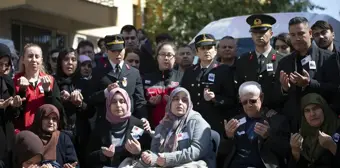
155, 99
327, 142
17, 101
160, 160
46, 82
65, 95
109, 152
296, 141
46, 166
23, 82
133, 146
5, 103
69, 165
146, 125
146, 157
76, 98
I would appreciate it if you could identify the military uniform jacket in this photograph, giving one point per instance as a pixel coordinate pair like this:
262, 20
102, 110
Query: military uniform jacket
129, 79
249, 69
196, 81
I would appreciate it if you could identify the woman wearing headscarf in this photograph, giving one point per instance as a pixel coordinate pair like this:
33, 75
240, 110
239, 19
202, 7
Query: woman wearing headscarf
7, 112
28, 150
58, 148
118, 137
313, 146
182, 138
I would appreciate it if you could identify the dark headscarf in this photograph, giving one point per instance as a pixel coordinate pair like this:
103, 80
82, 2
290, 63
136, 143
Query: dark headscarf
312, 149
49, 140
173, 123
27, 145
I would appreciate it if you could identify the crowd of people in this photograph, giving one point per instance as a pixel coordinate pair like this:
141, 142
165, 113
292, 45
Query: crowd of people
131, 105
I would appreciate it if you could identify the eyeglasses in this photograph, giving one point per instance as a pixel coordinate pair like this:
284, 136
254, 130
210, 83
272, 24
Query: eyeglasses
168, 55
250, 101
132, 60
283, 47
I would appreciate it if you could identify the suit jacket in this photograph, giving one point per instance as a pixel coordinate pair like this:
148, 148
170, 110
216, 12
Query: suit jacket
101, 136
290, 101
248, 69
129, 79
273, 150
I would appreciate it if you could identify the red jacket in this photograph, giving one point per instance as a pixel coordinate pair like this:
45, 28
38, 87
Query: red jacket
35, 97
160, 83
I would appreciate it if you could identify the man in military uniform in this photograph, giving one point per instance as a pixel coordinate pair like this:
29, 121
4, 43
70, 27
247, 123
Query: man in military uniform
260, 65
115, 73
210, 89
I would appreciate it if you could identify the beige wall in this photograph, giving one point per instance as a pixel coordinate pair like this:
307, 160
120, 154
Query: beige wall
43, 20
79, 10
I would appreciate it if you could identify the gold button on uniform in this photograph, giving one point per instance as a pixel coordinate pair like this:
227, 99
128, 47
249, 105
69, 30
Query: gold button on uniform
198, 94
198, 103
198, 85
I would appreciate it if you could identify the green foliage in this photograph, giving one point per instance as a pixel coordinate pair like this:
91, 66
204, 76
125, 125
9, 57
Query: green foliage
183, 19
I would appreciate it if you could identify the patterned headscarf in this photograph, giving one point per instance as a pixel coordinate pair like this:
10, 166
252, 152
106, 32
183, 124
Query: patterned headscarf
111, 117
172, 123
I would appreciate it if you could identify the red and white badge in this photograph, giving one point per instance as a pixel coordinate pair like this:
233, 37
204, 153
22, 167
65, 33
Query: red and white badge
182, 136
137, 131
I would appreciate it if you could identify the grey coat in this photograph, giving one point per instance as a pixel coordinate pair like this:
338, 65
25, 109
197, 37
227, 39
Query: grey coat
198, 145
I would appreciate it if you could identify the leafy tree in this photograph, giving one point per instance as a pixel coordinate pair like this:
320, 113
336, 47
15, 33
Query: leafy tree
184, 18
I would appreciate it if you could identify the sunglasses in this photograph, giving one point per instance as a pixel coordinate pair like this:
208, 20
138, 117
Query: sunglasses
132, 60
250, 101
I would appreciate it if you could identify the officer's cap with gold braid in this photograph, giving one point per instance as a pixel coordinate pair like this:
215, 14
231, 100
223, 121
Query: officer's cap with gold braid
260, 22
205, 40
114, 42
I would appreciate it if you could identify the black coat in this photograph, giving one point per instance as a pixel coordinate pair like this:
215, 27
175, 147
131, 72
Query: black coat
6, 123
248, 69
275, 149
101, 137
329, 81
65, 150
215, 79
129, 79
326, 160
290, 102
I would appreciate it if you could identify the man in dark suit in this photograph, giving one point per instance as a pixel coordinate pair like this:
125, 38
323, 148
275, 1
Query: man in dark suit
300, 71
115, 73
260, 65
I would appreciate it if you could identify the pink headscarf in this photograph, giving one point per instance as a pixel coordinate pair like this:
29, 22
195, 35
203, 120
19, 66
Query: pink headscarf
111, 117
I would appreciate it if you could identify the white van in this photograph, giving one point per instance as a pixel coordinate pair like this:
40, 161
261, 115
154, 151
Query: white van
238, 28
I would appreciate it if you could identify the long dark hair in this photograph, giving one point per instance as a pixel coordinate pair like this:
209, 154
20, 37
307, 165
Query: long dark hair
61, 56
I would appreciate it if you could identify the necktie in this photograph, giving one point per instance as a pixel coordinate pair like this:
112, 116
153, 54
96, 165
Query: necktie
202, 72
117, 69
261, 62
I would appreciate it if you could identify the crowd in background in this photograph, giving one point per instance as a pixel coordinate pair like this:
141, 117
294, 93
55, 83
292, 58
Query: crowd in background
133, 104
